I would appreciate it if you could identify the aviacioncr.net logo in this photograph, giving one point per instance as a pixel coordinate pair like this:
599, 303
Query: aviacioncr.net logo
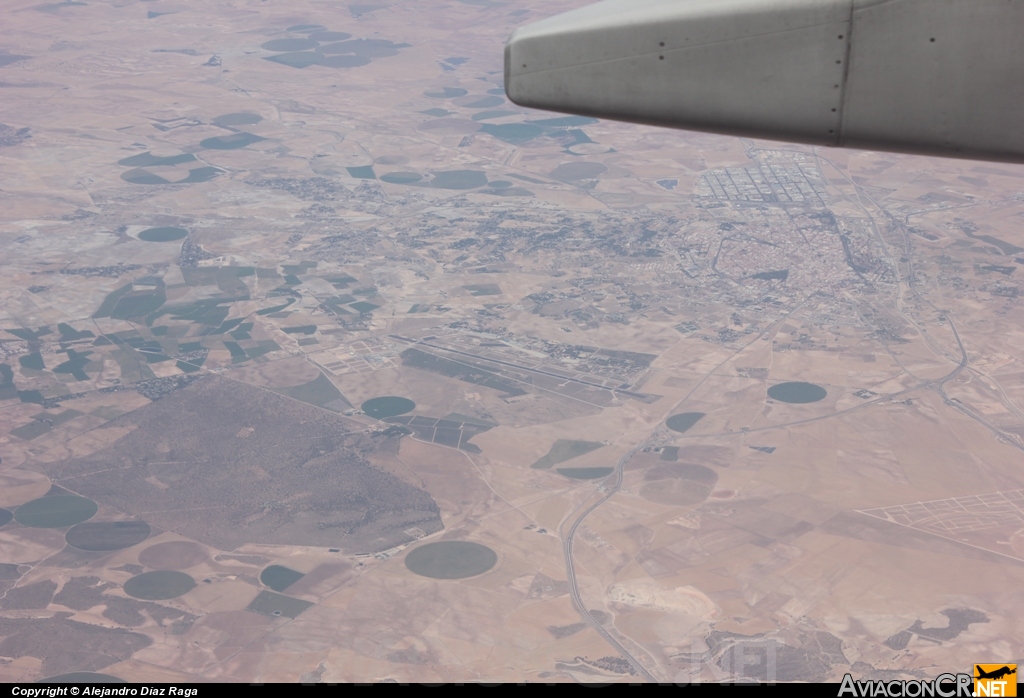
942, 686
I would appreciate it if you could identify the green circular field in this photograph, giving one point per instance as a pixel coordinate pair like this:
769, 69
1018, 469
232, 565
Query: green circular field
82, 677
387, 406
683, 422
499, 184
242, 118
401, 177
107, 535
164, 234
5, 517
243, 138
55, 512
451, 559
797, 392
159, 586
279, 578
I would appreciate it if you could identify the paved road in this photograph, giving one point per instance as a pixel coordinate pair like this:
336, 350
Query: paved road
574, 589
567, 538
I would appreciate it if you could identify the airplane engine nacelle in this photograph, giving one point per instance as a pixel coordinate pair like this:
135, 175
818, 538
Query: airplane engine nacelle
942, 77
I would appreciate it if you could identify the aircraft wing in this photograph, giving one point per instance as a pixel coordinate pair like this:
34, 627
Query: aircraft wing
940, 77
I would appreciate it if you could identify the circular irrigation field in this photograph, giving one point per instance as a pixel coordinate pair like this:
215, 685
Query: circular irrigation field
279, 578
5, 516
451, 559
159, 586
683, 422
164, 234
55, 512
96, 536
387, 406
401, 177
240, 118
797, 392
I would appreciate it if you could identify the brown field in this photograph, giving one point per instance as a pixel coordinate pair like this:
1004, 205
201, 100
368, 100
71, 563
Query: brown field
880, 529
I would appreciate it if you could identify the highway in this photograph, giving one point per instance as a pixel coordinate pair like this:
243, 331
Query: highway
569, 535
574, 589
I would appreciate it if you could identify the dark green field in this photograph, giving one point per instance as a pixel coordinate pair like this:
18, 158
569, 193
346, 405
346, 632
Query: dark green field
238, 119
367, 48
563, 450
234, 141
362, 172
33, 361
387, 406
279, 578
459, 179
271, 604
450, 559
573, 172
55, 512
299, 59
364, 306
5, 516
107, 535
70, 334
124, 303
683, 422
150, 160
401, 177
163, 234
797, 392
201, 174
32, 430
141, 176
159, 585
585, 473
486, 103
496, 114
513, 133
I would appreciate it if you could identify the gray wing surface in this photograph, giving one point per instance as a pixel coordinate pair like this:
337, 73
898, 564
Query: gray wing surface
938, 77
